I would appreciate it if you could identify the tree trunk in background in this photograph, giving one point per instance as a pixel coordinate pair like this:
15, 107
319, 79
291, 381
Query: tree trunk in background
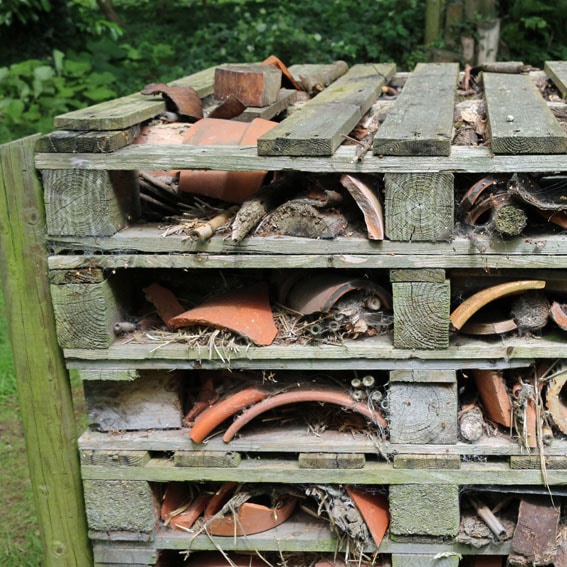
108, 10
433, 18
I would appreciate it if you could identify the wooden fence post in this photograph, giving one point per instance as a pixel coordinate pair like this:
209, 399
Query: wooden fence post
43, 382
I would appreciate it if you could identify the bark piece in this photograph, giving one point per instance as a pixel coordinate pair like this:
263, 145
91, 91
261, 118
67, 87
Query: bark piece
244, 311
253, 85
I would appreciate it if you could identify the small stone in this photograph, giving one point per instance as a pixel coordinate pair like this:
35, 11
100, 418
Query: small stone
509, 118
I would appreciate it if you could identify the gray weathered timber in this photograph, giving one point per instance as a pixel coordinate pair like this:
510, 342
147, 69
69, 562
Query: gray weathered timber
129, 110
375, 352
419, 206
520, 121
117, 505
435, 461
421, 121
153, 401
285, 98
89, 203
113, 457
431, 510
289, 438
245, 158
318, 127
44, 391
425, 275
423, 560
274, 470
85, 314
557, 71
423, 412
219, 459
421, 314
534, 462
95, 142
331, 460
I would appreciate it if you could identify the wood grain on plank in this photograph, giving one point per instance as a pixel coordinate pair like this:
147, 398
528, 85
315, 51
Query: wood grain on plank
557, 71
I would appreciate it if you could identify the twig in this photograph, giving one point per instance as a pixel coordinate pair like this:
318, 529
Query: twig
488, 518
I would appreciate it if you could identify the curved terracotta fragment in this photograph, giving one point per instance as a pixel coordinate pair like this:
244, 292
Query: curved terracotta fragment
213, 416
559, 314
322, 395
164, 301
229, 108
478, 300
318, 294
556, 217
187, 518
368, 203
245, 311
184, 99
252, 518
489, 327
175, 495
220, 498
555, 400
478, 188
286, 75
494, 395
231, 186
375, 511
206, 397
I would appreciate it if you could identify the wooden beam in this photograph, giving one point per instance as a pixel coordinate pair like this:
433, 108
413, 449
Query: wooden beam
520, 120
557, 71
43, 383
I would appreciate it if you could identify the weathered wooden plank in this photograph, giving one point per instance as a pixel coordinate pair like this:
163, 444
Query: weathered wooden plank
103, 458
133, 109
422, 412
534, 462
127, 553
285, 99
424, 510
310, 131
520, 121
219, 459
419, 206
437, 461
162, 469
123, 506
331, 461
95, 142
557, 71
110, 198
112, 374
153, 401
85, 314
423, 560
245, 158
44, 391
422, 377
424, 275
421, 121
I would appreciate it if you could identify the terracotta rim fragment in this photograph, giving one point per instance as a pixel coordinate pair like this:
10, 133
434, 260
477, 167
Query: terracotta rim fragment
175, 495
220, 498
375, 511
489, 327
276, 62
245, 311
184, 99
164, 301
322, 395
559, 314
188, 517
478, 300
214, 415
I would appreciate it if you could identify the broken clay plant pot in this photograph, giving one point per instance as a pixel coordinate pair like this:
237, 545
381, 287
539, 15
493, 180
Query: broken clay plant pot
186, 519
322, 395
555, 399
375, 511
231, 186
245, 311
319, 293
494, 395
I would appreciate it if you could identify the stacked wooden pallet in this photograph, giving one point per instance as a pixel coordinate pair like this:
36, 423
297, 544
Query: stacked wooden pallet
136, 384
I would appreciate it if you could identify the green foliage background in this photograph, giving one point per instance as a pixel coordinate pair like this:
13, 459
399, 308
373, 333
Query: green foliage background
58, 56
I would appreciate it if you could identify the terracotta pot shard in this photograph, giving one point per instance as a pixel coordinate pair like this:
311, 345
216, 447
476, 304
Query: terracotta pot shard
231, 186
375, 511
288, 79
368, 203
164, 301
181, 99
494, 395
555, 399
214, 415
322, 395
478, 300
558, 313
244, 311
188, 517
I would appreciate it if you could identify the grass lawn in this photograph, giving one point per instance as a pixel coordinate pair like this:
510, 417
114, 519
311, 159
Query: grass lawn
19, 533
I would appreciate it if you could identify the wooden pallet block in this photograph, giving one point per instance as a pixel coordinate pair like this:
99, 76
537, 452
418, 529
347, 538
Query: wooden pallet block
421, 300
423, 560
557, 71
421, 122
519, 118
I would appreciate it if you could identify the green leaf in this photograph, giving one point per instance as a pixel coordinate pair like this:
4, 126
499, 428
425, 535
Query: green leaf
58, 57
43, 73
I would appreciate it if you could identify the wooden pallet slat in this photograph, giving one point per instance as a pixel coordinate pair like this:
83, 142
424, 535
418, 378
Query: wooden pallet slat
557, 71
421, 122
319, 127
129, 110
520, 120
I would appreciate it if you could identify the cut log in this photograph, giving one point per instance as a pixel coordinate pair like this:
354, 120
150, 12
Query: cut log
253, 85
